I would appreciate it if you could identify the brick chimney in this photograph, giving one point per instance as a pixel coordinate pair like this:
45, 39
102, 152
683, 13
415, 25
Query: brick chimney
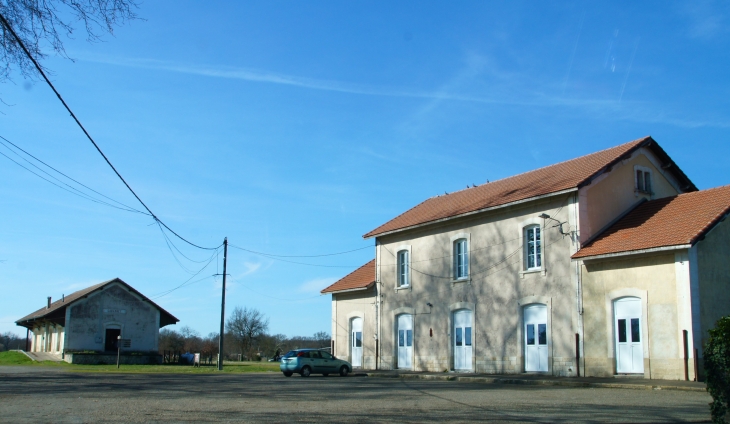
49, 302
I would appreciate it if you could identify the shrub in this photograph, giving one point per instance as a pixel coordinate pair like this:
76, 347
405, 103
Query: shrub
717, 369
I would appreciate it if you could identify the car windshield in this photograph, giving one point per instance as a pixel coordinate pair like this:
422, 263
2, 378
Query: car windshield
290, 354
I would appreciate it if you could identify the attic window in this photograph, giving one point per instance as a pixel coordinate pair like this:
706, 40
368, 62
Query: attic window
643, 180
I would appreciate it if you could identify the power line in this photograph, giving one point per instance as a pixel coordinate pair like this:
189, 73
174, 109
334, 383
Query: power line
75, 190
188, 282
295, 262
300, 256
43, 74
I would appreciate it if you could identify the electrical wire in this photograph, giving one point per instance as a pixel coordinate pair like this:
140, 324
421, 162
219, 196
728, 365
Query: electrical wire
294, 262
43, 74
188, 282
300, 256
75, 190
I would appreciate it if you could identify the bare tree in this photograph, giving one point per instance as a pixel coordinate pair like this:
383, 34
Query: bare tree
322, 338
41, 24
246, 326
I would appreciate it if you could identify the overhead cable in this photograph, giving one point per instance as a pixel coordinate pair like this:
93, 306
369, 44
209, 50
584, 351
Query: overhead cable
43, 74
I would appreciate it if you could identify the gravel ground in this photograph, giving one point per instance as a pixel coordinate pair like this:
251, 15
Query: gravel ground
51, 395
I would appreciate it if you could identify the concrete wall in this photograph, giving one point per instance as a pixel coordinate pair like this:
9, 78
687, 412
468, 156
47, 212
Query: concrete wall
496, 292
345, 307
713, 258
661, 282
101, 359
614, 192
113, 307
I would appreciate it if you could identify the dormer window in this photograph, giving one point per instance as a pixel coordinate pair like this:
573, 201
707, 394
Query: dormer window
643, 180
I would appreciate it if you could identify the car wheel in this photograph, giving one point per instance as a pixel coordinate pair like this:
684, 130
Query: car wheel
305, 372
343, 371
325, 375
287, 374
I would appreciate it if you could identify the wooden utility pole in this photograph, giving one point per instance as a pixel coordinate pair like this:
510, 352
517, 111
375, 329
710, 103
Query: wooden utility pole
223, 307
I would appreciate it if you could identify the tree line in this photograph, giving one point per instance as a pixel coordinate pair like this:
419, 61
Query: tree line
246, 337
11, 341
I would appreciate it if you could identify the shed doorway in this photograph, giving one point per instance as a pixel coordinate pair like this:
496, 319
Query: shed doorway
356, 342
462, 341
627, 324
536, 346
111, 339
405, 341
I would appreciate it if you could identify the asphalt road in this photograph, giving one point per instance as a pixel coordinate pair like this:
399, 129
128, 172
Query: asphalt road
47, 395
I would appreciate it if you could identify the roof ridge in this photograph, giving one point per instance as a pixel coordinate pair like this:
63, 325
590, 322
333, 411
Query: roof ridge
448, 197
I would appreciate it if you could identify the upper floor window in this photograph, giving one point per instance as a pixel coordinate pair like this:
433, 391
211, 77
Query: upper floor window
533, 247
643, 180
403, 269
461, 259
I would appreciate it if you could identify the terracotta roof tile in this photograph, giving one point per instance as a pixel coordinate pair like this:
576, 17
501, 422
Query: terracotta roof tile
670, 221
360, 278
550, 179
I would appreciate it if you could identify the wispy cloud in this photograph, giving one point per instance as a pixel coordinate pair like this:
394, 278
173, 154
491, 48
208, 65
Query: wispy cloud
706, 18
503, 88
316, 285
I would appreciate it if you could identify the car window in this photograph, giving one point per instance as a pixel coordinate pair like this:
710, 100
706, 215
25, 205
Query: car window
303, 354
314, 354
325, 355
290, 354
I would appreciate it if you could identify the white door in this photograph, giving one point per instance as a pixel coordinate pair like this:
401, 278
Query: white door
462, 340
356, 342
536, 349
405, 341
629, 350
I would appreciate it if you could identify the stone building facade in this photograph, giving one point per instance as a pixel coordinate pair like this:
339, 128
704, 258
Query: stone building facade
86, 326
505, 278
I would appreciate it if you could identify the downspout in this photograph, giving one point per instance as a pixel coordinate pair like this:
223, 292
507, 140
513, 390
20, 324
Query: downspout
378, 306
579, 286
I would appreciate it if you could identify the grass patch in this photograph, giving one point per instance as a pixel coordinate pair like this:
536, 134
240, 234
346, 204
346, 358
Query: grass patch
228, 367
18, 358
14, 358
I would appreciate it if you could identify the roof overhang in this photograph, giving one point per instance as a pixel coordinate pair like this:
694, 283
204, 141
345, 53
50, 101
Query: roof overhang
632, 252
478, 211
350, 290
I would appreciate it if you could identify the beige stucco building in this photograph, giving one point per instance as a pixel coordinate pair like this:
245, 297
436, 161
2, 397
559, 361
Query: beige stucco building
532, 274
85, 326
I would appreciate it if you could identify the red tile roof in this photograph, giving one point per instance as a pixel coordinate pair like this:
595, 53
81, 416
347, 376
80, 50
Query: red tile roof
551, 179
670, 221
360, 278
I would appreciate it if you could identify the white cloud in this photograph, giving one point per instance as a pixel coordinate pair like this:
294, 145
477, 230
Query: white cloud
316, 285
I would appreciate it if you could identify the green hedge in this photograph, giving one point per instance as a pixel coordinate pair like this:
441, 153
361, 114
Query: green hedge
717, 369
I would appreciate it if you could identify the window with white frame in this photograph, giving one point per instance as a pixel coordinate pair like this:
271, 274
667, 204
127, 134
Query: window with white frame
403, 269
533, 247
643, 180
461, 259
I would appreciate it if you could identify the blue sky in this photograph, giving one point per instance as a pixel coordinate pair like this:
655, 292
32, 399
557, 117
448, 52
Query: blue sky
293, 128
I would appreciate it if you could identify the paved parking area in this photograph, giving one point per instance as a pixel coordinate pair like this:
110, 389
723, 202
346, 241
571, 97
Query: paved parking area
46, 395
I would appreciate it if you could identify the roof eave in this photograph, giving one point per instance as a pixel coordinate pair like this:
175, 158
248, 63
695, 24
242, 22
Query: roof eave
348, 290
630, 252
478, 211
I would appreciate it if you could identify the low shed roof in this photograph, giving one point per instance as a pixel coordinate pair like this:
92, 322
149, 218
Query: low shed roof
680, 220
57, 310
359, 279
